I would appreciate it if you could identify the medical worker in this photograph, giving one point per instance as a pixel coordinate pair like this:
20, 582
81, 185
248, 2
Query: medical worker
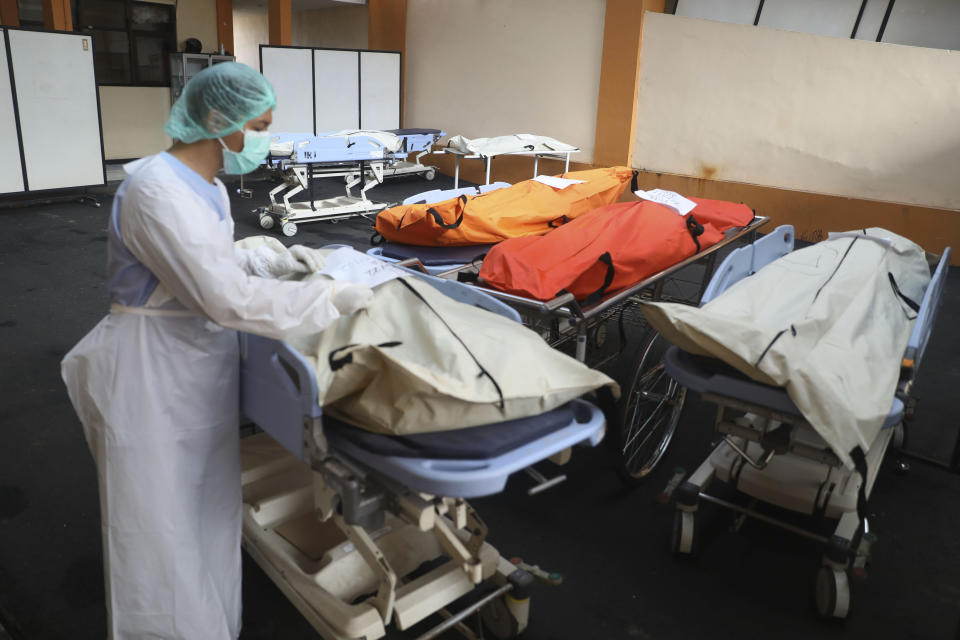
155, 383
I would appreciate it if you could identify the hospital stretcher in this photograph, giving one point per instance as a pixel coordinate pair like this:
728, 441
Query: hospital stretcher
651, 402
771, 454
415, 141
361, 156
360, 529
459, 154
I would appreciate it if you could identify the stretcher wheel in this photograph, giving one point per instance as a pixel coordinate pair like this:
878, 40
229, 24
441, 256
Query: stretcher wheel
350, 178
648, 413
266, 221
899, 437
833, 593
430, 174
289, 229
498, 621
684, 538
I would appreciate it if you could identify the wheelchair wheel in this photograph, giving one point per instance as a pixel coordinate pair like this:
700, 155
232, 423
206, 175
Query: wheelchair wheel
647, 414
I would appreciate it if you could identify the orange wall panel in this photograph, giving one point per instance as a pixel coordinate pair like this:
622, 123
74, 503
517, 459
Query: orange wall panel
281, 25
617, 99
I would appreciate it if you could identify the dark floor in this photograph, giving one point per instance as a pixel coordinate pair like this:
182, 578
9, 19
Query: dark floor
610, 543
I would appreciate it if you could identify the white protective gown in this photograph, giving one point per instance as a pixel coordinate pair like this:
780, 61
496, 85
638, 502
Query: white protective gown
156, 388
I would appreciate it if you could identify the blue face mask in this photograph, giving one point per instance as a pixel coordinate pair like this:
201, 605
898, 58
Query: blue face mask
256, 146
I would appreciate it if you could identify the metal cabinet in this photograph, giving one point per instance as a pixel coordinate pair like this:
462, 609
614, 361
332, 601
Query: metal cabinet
184, 66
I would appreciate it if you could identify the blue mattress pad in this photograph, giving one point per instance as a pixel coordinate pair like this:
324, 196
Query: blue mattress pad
436, 255
472, 443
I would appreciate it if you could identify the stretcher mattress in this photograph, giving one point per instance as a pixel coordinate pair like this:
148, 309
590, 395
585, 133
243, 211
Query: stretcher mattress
431, 256
473, 443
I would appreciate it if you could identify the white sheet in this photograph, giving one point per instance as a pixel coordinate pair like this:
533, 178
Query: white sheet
517, 143
825, 322
390, 141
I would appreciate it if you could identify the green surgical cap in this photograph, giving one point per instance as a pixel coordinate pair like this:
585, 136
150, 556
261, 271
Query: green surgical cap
218, 101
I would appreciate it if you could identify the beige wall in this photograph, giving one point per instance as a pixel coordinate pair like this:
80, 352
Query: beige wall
133, 119
250, 30
337, 28
799, 111
198, 19
483, 68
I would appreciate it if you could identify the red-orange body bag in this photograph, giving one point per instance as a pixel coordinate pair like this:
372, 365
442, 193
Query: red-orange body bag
524, 209
608, 249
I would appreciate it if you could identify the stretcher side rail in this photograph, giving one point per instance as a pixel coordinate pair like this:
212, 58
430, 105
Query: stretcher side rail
929, 306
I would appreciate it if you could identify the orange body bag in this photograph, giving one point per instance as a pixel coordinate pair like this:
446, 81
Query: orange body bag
608, 249
527, 208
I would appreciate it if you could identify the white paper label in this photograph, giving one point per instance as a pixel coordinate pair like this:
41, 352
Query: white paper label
349, 264
669, 199
557, 183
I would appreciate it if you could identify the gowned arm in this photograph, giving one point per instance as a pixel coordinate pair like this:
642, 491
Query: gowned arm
181, 242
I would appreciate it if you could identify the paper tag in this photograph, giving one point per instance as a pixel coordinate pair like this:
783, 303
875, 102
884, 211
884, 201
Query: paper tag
669, 199
557, 183
349, 264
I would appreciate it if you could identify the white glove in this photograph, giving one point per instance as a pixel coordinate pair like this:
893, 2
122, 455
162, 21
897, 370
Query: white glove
312, 259
256, 262
284, 264
267, 263
349, 297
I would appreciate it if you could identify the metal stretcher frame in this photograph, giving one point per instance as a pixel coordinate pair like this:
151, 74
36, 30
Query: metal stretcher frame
309, 161
773, 455
380, 516
651, 402
457, 155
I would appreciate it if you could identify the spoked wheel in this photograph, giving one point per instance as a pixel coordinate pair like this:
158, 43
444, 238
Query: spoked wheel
648, 413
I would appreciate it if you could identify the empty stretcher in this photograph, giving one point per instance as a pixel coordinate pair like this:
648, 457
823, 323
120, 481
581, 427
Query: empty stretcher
651, 402
356, 156
520, 144
345, 520
770, 451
